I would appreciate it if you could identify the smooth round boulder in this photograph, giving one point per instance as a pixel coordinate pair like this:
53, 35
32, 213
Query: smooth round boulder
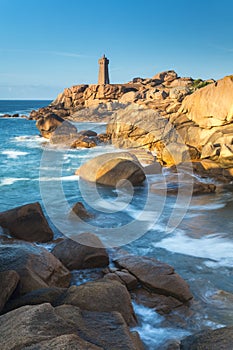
52, 123
111, 169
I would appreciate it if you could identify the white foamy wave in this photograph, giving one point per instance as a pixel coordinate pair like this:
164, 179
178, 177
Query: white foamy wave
14, 154
26, 138
62, 178
151, 331
214, 247
11, 180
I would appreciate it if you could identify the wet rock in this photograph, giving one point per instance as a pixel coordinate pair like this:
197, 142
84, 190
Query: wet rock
86, 252
111, 168
80, 211
183, 184
51, 125
105, 329
36, 297
209, 340
8, 282
27, 222
83, 142
102, 296
88, 133
36, 267
161, 303
39, 327
156, 276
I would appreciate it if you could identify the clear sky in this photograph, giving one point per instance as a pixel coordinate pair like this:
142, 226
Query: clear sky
47, 45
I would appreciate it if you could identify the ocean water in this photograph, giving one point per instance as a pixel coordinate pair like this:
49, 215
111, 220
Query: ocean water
198, 243
21, 106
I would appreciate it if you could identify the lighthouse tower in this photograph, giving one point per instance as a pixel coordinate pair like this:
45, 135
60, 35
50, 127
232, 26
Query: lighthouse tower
103, 71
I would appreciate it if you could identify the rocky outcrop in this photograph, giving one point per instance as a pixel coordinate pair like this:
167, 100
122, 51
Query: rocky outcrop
36, 267
87, 252
27, 223
112, 168
210, 340
198, 126
64, 327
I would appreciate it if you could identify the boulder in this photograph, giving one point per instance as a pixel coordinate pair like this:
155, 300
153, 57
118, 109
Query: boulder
102, 296
212, 105
105, 329
167, 76
36, 267
8, 282
184, 184
157, 276
221, 338
88, 133
35, 297
111, 168
51, 122
39, 327
27, 222
83, 142
130, 96
179, 92
162, 304
80, 211
87, 252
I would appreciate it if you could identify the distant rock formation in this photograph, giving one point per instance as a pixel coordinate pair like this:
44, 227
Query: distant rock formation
181, 118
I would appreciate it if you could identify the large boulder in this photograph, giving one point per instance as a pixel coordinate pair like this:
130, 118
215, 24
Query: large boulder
157, 276
36, 267
87, 252
65, 327
9, 280
102, 296
209, 340
53, 125
111, 168
211, 105
27, 222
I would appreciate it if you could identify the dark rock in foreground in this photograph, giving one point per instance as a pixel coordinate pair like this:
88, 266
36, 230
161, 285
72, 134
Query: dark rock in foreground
8, 282
218, 339
36, 267
67, 327
27, 223
36, 297
87, 252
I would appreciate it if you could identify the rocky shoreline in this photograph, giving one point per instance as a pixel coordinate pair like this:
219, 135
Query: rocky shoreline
38, 298
165, 115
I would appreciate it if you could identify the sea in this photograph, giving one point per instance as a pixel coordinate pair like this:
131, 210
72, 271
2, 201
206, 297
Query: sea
194, 235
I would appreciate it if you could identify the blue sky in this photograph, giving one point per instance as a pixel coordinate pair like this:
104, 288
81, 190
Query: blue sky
47, 45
